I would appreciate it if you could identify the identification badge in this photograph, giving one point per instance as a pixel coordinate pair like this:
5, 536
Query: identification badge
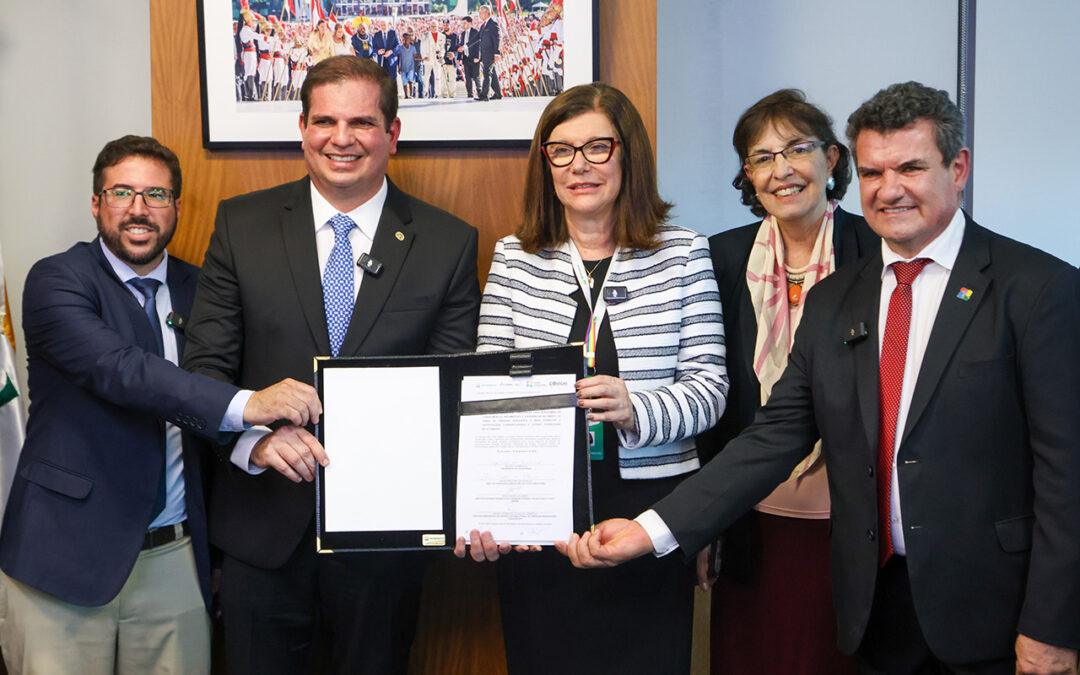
596, 441
613, 295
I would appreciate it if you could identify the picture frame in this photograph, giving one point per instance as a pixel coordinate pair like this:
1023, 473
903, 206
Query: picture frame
243, 108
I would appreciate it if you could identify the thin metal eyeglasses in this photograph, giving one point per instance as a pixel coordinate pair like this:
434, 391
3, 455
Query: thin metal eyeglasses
596, 151
792, 152
122, 197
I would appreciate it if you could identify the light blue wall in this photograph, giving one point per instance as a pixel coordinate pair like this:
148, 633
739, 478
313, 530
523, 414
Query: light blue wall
72, 81
1027, 106
715, 59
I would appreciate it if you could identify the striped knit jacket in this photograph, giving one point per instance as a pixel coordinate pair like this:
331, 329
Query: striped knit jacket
669, 336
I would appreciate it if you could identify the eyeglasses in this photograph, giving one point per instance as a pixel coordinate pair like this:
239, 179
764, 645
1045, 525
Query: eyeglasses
123, 197
596, 151
794, 152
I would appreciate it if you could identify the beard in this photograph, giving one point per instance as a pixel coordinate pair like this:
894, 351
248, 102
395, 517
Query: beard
114, 239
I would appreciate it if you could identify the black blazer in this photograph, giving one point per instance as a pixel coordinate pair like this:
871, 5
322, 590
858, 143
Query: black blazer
259, 317
988, 463
84, 490
489, 41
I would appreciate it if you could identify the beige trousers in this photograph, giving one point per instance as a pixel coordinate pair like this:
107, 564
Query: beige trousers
157, 624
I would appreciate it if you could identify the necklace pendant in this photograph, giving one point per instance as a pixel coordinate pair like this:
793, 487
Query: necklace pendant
590, 282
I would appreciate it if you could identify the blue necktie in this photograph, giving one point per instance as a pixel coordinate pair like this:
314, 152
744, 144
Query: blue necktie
148, 288
338, 283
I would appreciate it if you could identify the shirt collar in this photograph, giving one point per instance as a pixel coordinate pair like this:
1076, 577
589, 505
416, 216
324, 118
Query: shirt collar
942, 250
366, 216
127, 274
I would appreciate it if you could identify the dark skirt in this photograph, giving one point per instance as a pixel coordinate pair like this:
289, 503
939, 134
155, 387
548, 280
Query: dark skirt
780, 619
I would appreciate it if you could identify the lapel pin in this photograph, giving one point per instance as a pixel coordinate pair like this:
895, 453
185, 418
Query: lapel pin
399, 235
965, 294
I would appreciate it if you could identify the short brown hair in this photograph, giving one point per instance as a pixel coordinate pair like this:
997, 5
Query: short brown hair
639, 209
117, 151
787, 107
346, 67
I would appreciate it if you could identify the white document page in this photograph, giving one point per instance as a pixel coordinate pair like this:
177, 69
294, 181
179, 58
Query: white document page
516, 469
382, 432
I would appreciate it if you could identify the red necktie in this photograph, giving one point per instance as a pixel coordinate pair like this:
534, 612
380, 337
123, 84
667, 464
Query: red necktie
891, 375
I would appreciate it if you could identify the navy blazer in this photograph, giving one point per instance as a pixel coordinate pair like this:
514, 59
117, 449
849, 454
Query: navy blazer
84, 490
988, 464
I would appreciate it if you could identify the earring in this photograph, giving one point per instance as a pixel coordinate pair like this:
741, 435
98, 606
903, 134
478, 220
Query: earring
830, 184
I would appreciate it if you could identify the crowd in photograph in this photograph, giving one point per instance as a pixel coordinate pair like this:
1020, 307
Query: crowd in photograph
433, 56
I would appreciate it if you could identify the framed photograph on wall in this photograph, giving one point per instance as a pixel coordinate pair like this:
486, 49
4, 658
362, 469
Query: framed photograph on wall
254, 55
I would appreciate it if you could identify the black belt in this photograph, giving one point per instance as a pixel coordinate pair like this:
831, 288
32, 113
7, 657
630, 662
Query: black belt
159, 536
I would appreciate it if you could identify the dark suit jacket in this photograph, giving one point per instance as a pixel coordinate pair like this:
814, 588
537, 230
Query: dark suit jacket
470, 39
489, 41
988, 463
387, 40
259, 317
87, 478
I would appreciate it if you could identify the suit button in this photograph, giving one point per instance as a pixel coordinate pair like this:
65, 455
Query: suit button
870, 535
870, 470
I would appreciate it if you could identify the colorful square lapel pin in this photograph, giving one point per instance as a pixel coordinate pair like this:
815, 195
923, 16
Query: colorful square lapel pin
965, 293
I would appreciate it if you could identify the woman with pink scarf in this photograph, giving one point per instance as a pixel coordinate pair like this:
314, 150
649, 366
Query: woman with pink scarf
772, 604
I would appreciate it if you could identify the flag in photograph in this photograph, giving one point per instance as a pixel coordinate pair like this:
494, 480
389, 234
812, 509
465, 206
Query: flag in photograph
317, 12
12, 421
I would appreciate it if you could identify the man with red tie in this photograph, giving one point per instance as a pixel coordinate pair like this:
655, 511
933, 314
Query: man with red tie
941, 378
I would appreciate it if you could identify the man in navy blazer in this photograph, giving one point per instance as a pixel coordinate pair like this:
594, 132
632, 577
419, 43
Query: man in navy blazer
104, 544
962, 553
384, 44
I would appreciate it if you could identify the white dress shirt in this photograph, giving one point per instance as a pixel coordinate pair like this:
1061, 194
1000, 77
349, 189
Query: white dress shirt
366, 216
926, 293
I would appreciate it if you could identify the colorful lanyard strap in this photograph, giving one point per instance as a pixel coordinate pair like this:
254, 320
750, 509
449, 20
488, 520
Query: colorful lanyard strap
593, 330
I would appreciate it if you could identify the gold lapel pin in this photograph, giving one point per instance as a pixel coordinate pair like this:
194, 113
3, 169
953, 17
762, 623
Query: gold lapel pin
399, 235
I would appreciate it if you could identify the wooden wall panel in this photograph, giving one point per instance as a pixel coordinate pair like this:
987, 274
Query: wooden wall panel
459, 625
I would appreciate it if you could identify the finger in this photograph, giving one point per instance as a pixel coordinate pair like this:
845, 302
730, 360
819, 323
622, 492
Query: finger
295, 456
490, 548
571, 550
459, 547
314, 447
476, 549
585, 555
594, 548
560, 546
275, 461
306, 398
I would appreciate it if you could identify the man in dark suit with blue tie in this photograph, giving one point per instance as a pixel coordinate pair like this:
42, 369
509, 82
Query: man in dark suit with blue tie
104, 544
338, 263
940, 374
